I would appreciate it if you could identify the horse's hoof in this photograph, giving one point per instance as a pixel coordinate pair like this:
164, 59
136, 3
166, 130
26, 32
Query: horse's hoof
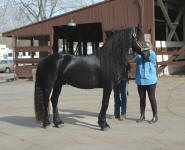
58, 124
46, 124
107, 125
103, 127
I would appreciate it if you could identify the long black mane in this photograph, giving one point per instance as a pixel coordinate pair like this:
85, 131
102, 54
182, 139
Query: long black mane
113, 54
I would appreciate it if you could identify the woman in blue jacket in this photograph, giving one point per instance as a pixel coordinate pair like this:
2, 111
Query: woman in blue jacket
146, 80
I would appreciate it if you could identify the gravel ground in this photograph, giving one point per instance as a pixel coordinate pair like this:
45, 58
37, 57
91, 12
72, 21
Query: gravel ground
79, 110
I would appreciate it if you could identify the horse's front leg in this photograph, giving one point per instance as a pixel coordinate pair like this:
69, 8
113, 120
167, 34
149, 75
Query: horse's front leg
105, 103
54, 99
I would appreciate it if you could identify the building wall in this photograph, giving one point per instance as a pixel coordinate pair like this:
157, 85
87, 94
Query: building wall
6, 41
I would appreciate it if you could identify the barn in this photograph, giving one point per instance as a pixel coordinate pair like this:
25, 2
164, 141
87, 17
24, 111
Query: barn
78, 31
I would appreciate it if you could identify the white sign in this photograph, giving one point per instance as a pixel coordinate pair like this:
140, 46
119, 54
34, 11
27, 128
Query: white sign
147, 37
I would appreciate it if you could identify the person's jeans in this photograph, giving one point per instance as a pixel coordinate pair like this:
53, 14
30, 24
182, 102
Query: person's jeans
120, 98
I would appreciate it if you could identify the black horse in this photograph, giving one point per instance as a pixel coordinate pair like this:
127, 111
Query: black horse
101, 70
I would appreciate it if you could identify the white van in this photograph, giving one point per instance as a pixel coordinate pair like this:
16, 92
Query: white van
6, 66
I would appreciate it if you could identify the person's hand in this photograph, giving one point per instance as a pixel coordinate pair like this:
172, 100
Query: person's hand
145, 54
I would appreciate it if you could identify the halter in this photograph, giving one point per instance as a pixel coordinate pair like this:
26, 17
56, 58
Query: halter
131, 53
142, 47
139, 44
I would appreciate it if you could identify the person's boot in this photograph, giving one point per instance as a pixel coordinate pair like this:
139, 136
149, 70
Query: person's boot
122, 117
154, 119
142, 118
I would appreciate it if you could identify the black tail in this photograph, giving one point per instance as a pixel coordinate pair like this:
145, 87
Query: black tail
39, 100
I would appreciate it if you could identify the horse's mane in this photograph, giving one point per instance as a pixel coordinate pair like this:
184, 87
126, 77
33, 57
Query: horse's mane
113, 54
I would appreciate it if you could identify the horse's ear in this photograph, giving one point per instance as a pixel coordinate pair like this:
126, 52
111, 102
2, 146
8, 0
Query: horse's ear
138, 27
139, 32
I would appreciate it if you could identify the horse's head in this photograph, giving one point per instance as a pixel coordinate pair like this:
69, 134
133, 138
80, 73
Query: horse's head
136, 45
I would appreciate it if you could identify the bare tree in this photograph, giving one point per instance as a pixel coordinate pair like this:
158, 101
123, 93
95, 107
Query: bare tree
16, 13
38, 10
3, 19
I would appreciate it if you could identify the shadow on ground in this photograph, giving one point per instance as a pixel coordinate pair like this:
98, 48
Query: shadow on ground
67, 115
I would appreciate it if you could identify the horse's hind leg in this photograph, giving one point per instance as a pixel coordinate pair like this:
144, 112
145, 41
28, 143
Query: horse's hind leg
46, 121
54, 99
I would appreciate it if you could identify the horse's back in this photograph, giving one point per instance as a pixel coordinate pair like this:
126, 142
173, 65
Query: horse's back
49, 68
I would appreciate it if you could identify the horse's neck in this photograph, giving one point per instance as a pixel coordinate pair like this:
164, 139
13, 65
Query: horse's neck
113, 65
113, 56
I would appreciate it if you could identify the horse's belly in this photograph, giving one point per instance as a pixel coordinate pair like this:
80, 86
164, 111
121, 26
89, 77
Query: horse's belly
83, 86
82, 81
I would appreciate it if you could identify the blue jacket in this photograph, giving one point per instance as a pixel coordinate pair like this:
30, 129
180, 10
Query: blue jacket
146, 70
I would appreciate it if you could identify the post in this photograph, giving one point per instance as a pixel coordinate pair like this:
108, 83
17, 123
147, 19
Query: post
15, 55
80, 48
51, 36
67, 45
166, 28
64, 45
84, 48
93, 47
70, 46
55, 44
96, 45
32, 53
184, 28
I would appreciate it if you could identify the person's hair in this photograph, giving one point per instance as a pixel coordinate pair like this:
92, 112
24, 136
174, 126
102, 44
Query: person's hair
150, 45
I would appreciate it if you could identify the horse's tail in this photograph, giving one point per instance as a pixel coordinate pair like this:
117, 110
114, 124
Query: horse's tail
39, 100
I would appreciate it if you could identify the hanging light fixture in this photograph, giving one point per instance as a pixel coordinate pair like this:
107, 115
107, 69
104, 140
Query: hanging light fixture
71, 23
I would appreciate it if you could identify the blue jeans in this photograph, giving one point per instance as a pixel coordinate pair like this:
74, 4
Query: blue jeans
120, 98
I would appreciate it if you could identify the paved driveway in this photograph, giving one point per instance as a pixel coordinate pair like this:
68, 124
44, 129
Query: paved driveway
79, 110
4, 77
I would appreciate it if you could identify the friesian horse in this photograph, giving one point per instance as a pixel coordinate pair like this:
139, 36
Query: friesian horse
101, 70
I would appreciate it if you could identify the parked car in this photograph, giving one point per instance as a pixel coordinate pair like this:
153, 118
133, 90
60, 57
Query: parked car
6, 66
